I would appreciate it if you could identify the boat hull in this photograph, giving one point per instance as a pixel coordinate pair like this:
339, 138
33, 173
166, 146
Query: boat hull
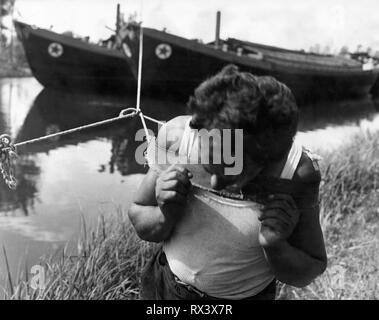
189, 63
59, 61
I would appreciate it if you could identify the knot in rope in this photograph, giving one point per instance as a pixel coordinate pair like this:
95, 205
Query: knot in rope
129, 112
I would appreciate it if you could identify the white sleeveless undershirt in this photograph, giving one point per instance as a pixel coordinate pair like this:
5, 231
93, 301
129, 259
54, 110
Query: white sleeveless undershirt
214, 246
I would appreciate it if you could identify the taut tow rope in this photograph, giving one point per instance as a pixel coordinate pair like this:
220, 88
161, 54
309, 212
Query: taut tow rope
126, 113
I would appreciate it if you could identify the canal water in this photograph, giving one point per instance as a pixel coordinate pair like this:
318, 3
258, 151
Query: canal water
94, 172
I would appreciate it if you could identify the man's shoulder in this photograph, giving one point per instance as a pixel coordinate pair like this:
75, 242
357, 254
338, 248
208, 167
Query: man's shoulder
172, 131
307, 170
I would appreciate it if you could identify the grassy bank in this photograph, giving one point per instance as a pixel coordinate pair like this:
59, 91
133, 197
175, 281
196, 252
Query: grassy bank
111, 256
107, 266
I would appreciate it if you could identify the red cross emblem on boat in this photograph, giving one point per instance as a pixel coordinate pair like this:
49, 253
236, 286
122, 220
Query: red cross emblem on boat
55, 49
163, 51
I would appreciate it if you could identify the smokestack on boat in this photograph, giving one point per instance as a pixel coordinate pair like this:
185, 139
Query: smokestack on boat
118, 19
218, 21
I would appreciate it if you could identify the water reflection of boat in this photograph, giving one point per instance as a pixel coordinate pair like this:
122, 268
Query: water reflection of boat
61, 61
326, 114
54, 111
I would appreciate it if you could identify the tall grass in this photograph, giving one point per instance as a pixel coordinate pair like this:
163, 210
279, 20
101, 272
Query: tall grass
111, 256
107, 266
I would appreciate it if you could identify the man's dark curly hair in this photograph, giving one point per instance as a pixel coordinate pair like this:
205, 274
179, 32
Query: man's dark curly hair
262, 106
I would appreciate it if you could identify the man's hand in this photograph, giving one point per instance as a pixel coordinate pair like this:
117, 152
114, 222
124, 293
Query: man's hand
172, 188
278, 220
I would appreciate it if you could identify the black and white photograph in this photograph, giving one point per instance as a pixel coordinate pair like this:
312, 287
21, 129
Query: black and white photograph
209, 151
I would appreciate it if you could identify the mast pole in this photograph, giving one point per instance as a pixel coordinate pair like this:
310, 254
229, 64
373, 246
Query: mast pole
218, 22
118, 19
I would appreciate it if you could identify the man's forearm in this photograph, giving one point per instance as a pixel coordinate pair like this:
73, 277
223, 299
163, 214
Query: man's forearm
293, 266
150, 223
